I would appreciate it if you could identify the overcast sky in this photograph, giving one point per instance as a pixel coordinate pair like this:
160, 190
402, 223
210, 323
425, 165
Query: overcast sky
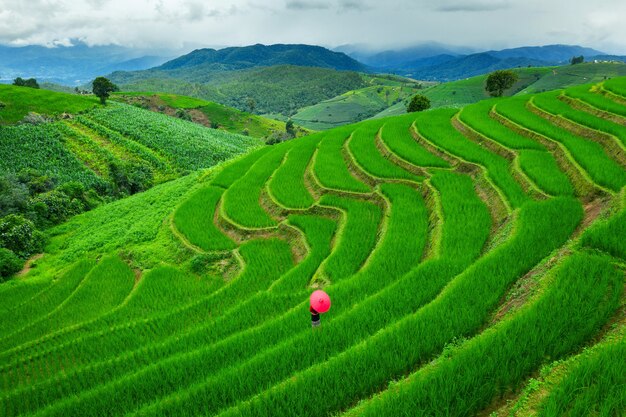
482, 24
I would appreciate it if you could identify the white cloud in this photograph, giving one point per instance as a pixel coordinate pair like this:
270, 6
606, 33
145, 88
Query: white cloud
172, 23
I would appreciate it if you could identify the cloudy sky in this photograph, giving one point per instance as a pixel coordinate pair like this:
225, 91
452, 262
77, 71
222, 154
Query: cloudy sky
482, 24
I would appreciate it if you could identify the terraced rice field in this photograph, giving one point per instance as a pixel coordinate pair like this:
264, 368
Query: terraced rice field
475, 260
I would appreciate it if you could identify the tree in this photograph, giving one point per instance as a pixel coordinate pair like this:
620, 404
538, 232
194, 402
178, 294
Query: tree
577, 60
102, 87
418, 103
499, 81
251, 103
19, 235
290, 129
10, 264
20, 82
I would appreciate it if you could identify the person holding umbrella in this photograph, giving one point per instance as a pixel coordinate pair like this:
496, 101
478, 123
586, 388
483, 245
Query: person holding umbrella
319, 303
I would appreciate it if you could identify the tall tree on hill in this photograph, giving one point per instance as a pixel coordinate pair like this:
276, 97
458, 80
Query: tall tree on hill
102, 87
418, 103
499, 81
577, 60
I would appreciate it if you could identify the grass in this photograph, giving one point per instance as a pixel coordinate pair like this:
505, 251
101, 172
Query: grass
287, 184
19, 101
543, 170
330, 167
396, 135
194, 219
144, 307
603, 170
436, 127
586, 292
362, 145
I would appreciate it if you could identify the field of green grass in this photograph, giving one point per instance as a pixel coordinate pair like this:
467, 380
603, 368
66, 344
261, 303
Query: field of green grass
475, 261
17, 102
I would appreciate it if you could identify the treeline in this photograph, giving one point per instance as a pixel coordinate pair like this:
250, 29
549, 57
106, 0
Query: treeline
31, 202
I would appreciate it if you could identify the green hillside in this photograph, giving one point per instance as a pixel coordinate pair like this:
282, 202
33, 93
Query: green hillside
531, 80
474, 259
277, 89
206, 113
17, 102
358, 104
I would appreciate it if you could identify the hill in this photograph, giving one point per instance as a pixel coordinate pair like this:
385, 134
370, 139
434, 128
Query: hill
206, 113
235, 58
54, 168
531, 80
17, 102
473, 258
278, 89
357, 105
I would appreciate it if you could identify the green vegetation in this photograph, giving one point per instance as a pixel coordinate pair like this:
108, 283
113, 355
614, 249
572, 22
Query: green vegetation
207, 113
191, 297
499, 81
588, 154
436, 127
18, 102
355, 105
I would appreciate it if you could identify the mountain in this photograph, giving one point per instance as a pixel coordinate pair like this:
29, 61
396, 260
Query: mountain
549, 53
469, 66
264, 56
433, 61
399, 58
75, 64
280, 79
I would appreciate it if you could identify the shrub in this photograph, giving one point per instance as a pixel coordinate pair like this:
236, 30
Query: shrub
10, 264
418, 103
19, 235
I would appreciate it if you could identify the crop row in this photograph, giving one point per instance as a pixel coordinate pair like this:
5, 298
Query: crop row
593, 387
585, 292
595, 100
533, 158
113, 355
241, 201
435, 126
104, 288
188, 145
459, 310
331, 169
396, 135
237, 352
41, 148
362, 145
194, 219
287, 184
588, 154
549, 102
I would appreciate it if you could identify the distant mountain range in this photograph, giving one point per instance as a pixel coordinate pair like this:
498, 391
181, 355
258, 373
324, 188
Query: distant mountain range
439, 62
74, 65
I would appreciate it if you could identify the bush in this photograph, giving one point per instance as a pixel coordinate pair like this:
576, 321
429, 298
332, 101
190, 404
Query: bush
418, 103
10, 264
19, 235
183, 114
54, 207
